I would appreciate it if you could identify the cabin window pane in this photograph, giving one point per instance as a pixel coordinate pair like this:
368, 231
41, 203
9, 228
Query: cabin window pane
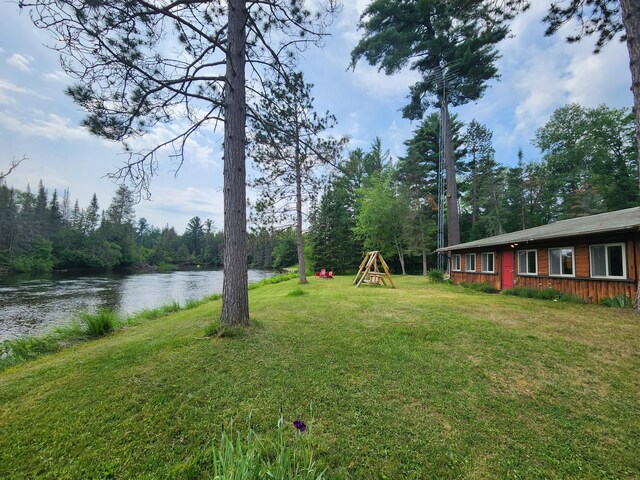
608, 260
470, 262
561, 261
532, 261
598, 261
616, 268
567, 262
456, 263
486, 262
528, 262
554, 262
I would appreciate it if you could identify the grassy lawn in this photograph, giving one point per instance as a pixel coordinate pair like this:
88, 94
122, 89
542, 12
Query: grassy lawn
426, 381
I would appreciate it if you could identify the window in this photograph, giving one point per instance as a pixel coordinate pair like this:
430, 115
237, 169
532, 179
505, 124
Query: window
561, 262
486, 262
528, 262
608, 261
470, 262
456, 263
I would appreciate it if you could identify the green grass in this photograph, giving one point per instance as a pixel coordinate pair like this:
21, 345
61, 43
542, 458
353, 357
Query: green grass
424, 381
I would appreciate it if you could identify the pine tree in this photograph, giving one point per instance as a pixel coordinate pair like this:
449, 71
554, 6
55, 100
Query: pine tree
66, 206
451, 44
77, 218
140, 62
417, 173
41, 212
516, 192
290, 148
92, 217
486, 191
121, 211
194, 236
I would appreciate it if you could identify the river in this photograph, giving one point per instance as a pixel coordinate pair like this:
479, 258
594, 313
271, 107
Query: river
31, 305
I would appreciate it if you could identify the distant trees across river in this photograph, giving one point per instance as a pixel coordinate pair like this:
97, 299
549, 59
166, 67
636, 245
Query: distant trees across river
43, 231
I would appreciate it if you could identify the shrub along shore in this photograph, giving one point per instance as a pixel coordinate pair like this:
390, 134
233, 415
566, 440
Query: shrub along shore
425, 381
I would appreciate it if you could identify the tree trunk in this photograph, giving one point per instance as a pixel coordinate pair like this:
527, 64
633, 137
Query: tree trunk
424, 262
631, 21
474, 189
302, 268
453, 220
400, 256
235, 293
496, 207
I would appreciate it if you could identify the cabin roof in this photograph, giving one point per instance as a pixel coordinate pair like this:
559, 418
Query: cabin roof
621, 220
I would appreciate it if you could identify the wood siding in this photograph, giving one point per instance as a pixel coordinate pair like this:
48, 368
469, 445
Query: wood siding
591, 290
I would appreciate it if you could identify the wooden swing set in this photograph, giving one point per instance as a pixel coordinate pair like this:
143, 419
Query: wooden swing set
369, 272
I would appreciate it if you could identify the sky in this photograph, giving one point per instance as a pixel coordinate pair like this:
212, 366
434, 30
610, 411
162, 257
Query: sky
38, 121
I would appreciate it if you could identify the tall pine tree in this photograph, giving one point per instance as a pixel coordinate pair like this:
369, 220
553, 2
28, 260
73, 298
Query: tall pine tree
451, 44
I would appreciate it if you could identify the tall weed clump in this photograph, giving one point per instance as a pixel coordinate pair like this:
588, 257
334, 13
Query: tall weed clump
543, 294
483, 287
435, 275
619, 301
13, 352
99, 324
252, 457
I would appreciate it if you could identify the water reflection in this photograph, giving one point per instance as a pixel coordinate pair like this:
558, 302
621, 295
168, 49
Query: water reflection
30, 306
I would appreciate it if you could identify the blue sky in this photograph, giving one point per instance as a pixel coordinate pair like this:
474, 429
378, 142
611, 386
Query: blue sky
37, 120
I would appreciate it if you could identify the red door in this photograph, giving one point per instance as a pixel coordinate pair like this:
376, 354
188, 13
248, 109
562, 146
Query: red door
507, 269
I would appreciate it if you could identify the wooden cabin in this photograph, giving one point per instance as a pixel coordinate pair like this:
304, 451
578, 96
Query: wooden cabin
592, 257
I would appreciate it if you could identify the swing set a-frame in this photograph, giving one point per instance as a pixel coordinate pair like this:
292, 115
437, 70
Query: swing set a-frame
369, 272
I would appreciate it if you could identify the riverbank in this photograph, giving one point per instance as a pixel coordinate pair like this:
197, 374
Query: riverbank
36, 304
426, 381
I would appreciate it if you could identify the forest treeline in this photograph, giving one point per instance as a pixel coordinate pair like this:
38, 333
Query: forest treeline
42, 231
371, 202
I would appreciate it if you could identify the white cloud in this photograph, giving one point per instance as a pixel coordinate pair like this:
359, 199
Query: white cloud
540, 88
396, 136
378, 85
365, 77
51, 126
9, 90
206, 155
353, 124
199, 148
541, 74
6, 99
57, 76
168, 204
21, 62
590, 80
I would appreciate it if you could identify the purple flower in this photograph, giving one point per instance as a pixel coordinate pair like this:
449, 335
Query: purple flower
300, 425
